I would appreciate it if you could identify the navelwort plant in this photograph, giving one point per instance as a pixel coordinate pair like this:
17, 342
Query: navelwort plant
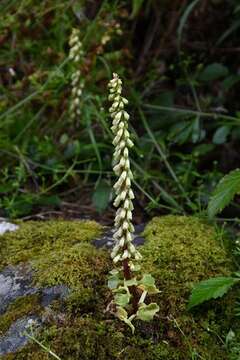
129, 287
76, 55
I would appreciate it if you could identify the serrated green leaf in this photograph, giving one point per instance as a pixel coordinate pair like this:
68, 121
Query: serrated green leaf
224, 192
230, 336
230, 81
147, 312
210, 289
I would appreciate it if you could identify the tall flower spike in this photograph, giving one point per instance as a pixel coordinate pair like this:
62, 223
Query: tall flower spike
129, 287
124, 249
76, 56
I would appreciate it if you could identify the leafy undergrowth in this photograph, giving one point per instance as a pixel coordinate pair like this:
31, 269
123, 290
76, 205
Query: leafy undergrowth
181, 82
178, 251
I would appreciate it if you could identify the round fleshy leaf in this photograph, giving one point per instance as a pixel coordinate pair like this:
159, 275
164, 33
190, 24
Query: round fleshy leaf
113, 281
122, 299
147, 312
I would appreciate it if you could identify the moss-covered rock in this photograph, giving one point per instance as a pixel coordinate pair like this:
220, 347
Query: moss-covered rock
37, 239
22, 306
178, 251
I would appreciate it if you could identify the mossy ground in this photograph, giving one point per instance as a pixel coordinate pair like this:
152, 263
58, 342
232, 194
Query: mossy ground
22, 306
178, 252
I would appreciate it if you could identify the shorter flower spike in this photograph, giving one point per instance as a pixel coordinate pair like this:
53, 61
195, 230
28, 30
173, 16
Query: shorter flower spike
77, 82
124, 194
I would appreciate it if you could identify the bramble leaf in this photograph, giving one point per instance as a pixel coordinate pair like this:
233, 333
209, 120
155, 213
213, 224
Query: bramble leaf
224, 192
210, 289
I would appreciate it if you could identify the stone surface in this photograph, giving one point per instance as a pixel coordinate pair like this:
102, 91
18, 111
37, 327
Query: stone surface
6, 226
53, 293
15, 337
107, 239
15, 282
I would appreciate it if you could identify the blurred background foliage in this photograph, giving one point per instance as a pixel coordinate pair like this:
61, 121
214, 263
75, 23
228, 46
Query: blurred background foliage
180, 63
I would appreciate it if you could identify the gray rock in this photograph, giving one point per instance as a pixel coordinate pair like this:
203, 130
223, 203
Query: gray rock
107, 239
6, 226
54, 293
15, 338
15, 281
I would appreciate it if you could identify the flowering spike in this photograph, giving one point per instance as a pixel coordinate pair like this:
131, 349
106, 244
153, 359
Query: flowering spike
124, 253
77, 82
122, 169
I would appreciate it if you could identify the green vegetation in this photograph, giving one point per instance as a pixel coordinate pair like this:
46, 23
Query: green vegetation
228, 187
182, 82
179, 251
22, 306
36, 239
186, 118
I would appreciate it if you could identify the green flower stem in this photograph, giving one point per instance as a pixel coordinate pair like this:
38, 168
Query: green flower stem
142, 298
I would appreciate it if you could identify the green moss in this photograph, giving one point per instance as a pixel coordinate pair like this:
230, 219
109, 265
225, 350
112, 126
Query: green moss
35, 239
87, 339
179, 251
82, 267
22, 306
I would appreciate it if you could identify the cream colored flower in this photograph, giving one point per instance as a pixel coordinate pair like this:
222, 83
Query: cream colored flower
124, 249
77, 81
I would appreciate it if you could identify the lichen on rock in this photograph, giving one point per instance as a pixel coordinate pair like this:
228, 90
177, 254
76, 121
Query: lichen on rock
178, 251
